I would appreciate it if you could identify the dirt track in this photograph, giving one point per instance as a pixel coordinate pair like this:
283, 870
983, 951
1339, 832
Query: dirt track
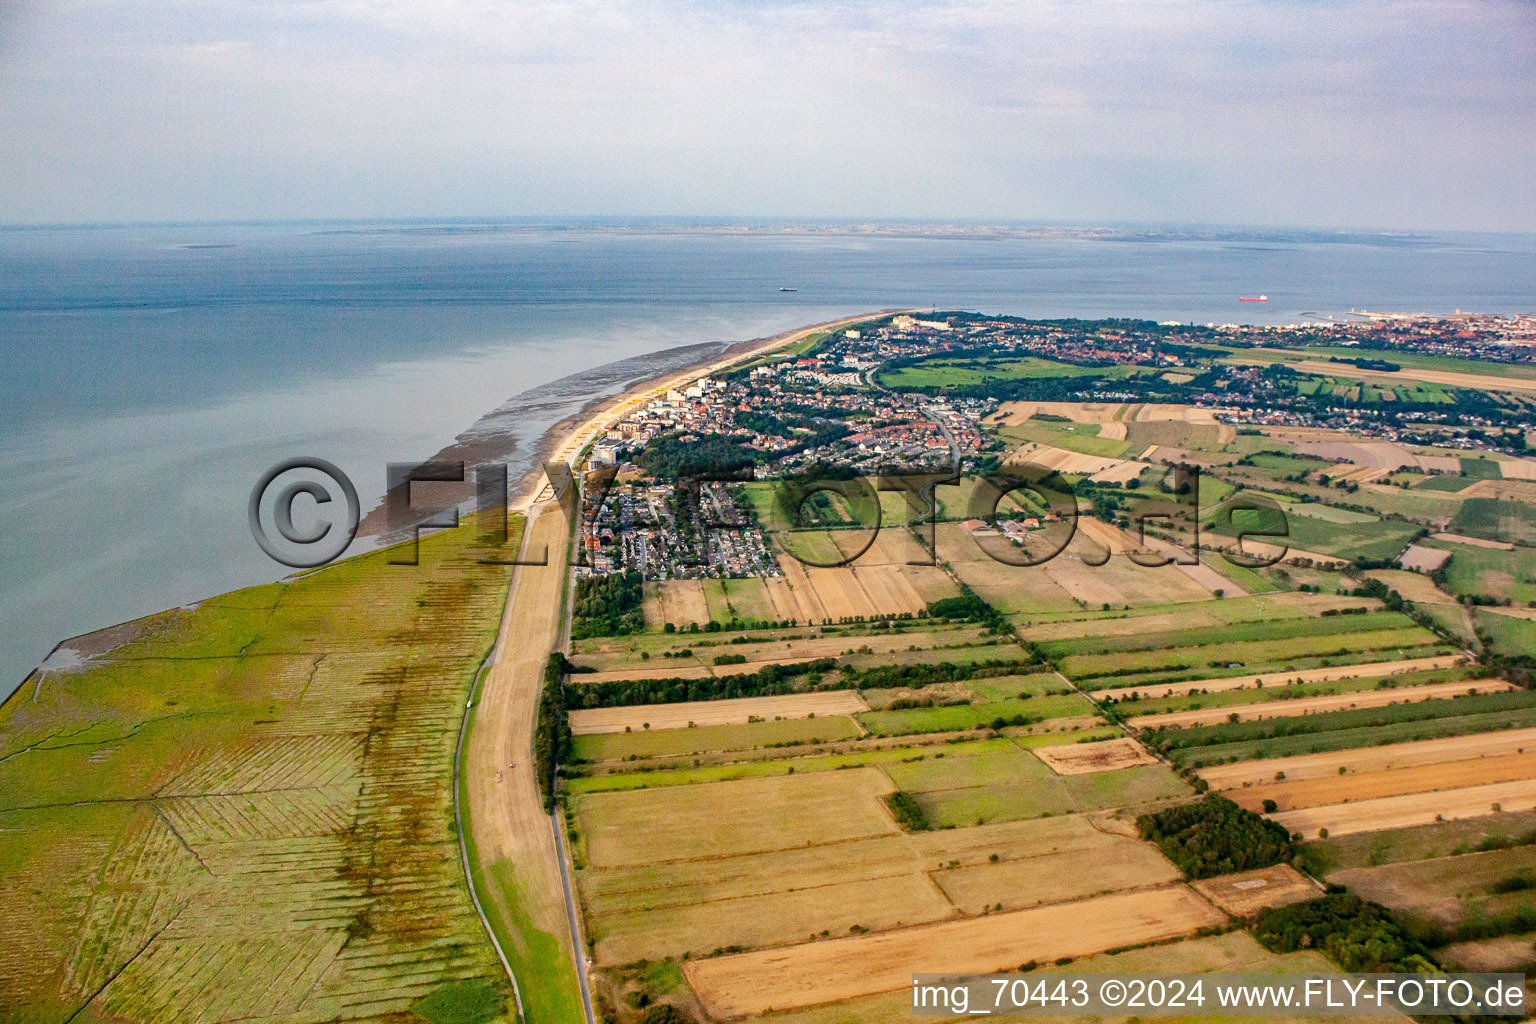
507, 816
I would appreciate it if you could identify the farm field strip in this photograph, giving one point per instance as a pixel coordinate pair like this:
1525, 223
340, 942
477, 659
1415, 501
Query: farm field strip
837, 969
1314, 705
733, 711
1313, 675
1235, 632
1200, 657
1282, 606
1350, 787
1371, 759
657, 745
1411, 809
1295, 691
817, 763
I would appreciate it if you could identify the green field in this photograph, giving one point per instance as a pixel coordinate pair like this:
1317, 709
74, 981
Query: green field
1420, 842
672, 742
1225, 659
943, 372
1346, 730
970, 716
621, 779
1513, 522
257, 789
1373, 539
1006, 785
1260, 695
1420, 361
1488, 572
1236, 633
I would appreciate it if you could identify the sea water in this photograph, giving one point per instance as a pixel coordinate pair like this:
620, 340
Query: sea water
149, 375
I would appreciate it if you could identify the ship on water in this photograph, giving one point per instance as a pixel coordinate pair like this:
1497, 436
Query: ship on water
1253, 298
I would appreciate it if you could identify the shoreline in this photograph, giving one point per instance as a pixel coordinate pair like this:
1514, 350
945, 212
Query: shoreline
566, 439
556, 442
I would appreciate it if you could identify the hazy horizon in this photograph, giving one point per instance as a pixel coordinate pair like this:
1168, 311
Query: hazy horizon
1367, 115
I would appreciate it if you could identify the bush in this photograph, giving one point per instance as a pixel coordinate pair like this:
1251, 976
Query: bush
908, 814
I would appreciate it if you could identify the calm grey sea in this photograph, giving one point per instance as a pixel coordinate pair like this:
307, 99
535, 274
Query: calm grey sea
149, 375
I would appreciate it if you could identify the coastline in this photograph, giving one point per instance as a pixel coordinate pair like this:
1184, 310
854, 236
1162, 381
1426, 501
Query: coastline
566, 439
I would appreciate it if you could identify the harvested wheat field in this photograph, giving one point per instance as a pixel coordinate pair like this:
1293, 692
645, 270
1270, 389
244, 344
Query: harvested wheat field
889, 590
1412, 809
1015, 413
1060, 459
1316, 705
1478, 542
1249, 892
800, 590
782, 896
1108, 863
1121, 581
682, 602
1311, 675
1414, 586
1518, 469
838, 969
1425, 778
737, 711
641, 826
1086, 758
1372, 759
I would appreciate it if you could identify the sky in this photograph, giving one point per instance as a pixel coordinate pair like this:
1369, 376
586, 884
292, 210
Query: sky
1385, 114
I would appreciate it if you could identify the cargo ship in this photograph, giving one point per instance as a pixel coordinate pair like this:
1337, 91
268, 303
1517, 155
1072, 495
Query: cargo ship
1253, 298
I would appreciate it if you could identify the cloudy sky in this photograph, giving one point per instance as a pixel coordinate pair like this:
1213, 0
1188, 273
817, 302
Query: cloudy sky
1382, 113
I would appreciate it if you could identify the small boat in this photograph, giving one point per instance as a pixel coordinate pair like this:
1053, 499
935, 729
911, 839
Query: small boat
1253, 298
789, 289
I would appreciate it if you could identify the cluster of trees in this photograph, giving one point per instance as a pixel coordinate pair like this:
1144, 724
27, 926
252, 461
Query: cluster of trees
968, 607
551, 732
919, 675
714, 457
1215, 837
806, 431
608, 606
908, 814
767, 681
1355, 934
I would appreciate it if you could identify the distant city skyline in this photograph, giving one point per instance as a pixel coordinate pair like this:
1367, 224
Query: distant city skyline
1383, 115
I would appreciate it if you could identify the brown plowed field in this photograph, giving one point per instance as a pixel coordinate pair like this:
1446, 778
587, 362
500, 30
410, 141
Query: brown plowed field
1412, 809
1315, 705
1371, 759
1337, 789
717, 712
838, 969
